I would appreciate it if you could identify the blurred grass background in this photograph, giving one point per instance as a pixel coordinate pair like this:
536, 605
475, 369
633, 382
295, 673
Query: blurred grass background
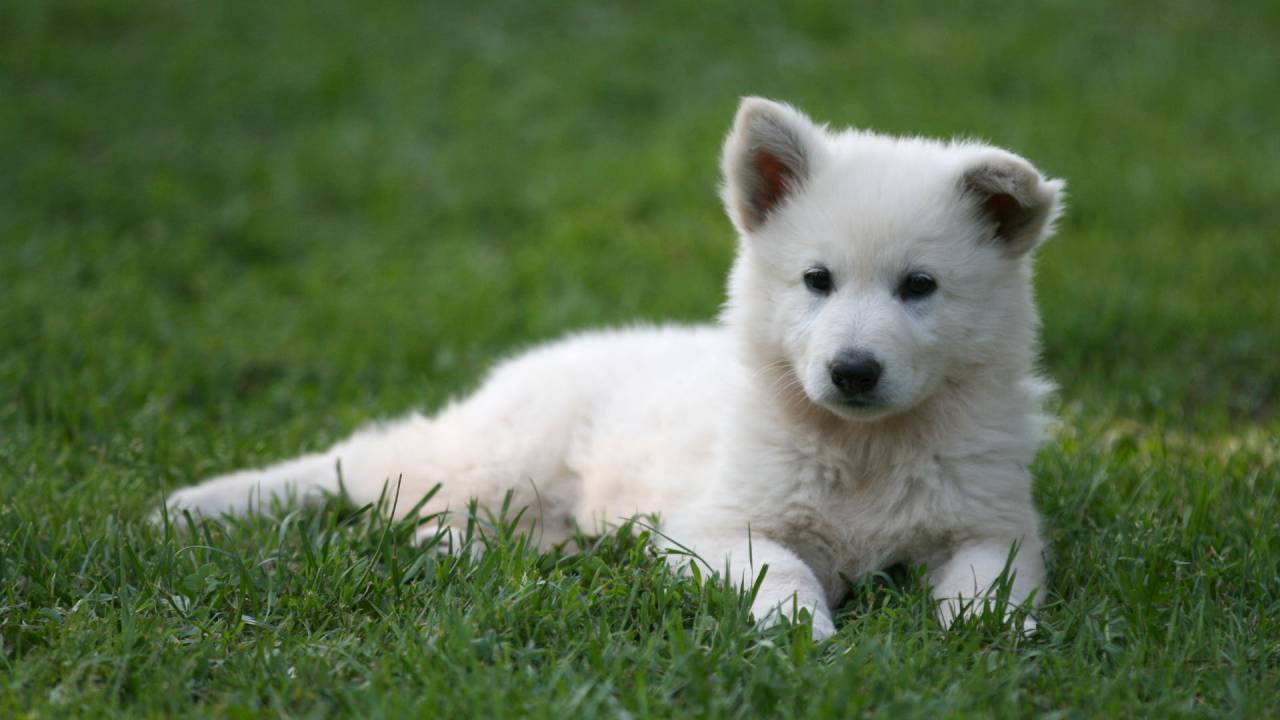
233, 230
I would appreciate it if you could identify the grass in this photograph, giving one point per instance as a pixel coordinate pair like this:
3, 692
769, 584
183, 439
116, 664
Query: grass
233, 231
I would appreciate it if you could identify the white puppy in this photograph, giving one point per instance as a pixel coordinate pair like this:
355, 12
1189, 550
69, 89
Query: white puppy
869, 397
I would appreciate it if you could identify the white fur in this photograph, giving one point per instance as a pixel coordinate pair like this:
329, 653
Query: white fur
733, 434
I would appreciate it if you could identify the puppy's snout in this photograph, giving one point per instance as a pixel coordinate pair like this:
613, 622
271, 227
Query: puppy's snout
856, 373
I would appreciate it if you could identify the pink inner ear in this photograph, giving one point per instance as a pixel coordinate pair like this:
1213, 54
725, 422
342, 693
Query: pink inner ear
1005, 210
1002, 206
774, 176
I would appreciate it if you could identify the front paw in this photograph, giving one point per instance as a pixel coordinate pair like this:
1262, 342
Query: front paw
769, 615
952, 609
1029, 626
823, 627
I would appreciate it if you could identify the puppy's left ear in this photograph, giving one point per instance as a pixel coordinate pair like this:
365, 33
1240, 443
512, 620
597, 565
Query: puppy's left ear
1014, 198
768, 157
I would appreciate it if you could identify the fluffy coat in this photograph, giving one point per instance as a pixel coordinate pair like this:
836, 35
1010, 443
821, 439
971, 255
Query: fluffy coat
844, 415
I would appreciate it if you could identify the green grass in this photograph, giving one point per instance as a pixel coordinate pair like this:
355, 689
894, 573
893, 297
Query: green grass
231, 231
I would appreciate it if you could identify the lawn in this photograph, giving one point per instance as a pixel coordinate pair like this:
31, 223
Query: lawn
232, 231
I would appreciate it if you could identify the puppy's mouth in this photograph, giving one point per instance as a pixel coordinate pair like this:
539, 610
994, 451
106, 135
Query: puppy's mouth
870, 405
860, 402
858, 407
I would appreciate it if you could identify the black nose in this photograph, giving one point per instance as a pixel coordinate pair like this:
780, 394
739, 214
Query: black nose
855, 374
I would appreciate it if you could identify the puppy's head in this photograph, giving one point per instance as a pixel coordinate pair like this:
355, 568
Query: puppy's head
872, 270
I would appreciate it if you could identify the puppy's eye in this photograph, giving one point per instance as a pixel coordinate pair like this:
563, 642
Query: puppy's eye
917, 286
818, 280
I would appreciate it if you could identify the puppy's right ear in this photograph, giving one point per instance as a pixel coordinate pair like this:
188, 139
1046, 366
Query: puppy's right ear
768, 157
1017, 202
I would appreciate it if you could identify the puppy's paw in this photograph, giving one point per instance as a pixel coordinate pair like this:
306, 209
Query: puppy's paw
821, 624
198, 501
177, 506
1029, 626
952, 609
823, 627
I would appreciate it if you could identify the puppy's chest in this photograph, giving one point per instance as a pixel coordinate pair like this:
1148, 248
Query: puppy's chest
853, 515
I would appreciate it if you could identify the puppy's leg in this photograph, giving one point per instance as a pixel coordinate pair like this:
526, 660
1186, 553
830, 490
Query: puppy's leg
789, 584
361, 466
239, 493
965, 583
454, 455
